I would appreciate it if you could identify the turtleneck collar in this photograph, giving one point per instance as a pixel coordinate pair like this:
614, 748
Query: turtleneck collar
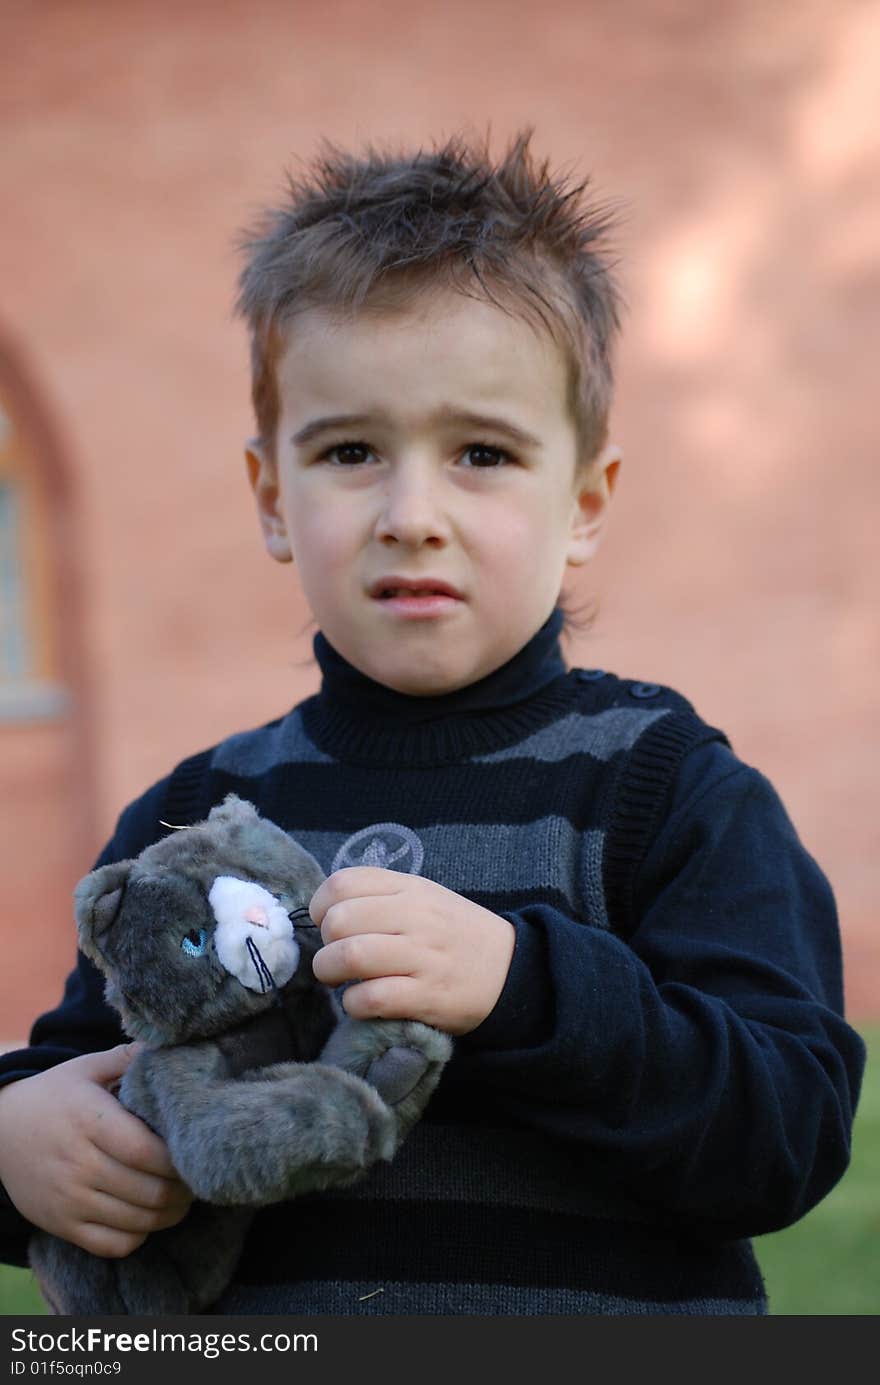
353, 717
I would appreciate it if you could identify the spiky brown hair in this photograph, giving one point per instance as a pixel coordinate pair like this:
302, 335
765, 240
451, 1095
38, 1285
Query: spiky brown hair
376, 229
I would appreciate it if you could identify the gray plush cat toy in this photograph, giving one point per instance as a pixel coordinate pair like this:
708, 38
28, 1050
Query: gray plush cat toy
259, 1084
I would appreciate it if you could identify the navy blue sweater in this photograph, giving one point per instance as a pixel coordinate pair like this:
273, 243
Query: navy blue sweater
667, 1071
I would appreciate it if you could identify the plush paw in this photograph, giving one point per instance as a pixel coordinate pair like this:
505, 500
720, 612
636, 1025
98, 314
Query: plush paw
317, 1127
397, 1073
403, 1059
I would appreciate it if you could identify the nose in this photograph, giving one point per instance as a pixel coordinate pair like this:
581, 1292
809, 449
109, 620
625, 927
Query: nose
412, 513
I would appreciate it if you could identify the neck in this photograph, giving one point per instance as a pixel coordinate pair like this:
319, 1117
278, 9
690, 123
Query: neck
356, 717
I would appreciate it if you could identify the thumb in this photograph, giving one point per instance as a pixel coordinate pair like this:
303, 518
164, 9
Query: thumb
107, 1067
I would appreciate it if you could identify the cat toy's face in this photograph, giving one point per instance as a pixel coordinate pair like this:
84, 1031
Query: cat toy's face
190, 941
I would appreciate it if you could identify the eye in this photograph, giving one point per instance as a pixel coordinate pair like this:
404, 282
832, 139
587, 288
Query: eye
195, 942
485, 456
347, 454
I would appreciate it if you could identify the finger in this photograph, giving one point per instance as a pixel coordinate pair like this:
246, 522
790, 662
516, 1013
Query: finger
363, 915
127, 1140
105, 1241
361, 956
353, 882
144, 1190
386, 998
102, 1209
154, 1156
108, 1066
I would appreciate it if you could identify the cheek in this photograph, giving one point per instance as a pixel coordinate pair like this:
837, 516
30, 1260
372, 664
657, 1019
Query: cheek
322, 536
324, 568
515, 539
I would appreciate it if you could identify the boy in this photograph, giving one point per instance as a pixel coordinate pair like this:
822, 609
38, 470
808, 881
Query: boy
569, 872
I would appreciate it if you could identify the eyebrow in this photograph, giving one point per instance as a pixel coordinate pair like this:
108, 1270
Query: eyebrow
445, 414
324, 425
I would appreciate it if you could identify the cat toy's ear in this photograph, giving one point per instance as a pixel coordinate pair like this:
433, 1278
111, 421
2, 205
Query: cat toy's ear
272, 856
97, 899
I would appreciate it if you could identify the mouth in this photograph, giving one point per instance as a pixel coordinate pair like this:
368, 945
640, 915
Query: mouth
416, 598
419, 588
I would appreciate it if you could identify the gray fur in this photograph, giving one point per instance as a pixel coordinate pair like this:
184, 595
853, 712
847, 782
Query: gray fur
257, 1102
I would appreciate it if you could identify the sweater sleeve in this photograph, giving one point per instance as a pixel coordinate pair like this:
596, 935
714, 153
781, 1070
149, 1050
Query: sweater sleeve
82, 1022
703, 1060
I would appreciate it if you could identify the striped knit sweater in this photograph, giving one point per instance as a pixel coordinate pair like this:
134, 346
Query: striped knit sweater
667, 1071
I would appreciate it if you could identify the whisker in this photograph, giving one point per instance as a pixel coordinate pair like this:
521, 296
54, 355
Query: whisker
264, 975
301, 913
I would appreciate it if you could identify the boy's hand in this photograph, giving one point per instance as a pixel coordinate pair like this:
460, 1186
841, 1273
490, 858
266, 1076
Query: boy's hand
76, 1163
417, 950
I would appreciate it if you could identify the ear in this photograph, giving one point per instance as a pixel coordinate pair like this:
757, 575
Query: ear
263, 478
244, 840
96, 901
233, 809
594, 489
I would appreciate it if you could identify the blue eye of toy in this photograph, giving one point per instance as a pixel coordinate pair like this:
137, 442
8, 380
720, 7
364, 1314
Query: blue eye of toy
195, 942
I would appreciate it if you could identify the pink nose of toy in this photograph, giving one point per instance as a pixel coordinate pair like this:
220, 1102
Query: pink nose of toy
257, 915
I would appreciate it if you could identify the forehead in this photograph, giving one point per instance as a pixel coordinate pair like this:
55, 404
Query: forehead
441, 349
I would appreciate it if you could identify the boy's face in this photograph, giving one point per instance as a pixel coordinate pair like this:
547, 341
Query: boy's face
427, 445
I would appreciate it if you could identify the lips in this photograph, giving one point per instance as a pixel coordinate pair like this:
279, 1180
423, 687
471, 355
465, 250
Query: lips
387, 587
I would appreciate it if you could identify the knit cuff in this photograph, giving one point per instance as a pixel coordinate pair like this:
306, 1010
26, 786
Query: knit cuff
522, 1016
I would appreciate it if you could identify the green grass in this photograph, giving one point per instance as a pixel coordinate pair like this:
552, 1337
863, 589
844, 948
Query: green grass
828, 1264
19, 1295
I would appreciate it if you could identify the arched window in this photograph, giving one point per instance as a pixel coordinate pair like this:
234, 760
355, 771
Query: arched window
31, 674
47, 771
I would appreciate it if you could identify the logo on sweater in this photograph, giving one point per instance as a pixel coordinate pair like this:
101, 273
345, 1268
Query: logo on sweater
386, 844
